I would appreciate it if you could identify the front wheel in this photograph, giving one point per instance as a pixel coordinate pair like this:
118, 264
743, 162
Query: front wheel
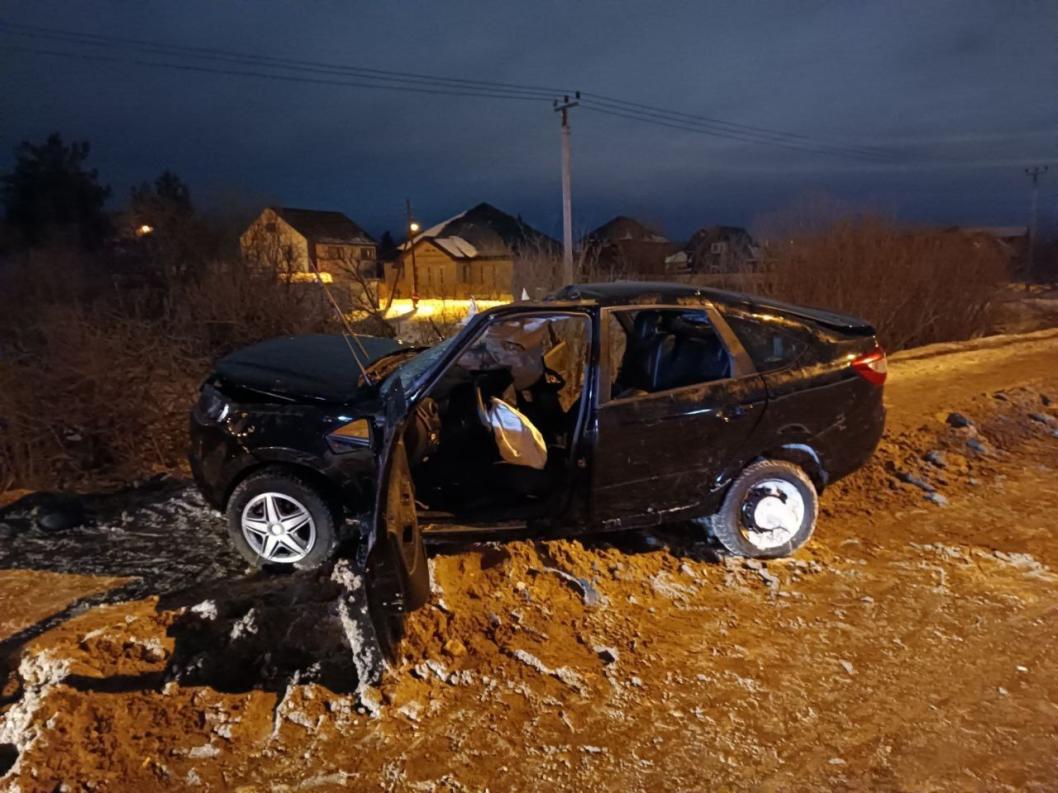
277, 518
769, 511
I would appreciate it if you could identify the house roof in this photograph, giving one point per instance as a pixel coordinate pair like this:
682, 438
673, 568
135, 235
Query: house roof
623, 228
482, 231
323, 226
709, 232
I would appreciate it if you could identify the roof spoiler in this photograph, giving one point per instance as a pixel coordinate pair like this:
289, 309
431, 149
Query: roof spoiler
828, 319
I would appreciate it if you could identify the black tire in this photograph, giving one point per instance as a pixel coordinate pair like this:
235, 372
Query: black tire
289, 484
731, 525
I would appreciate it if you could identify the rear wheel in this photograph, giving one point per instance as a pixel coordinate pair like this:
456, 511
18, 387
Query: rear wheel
769, 511
277, 518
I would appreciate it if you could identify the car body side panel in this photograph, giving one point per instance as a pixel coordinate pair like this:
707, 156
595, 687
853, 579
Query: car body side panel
828, 408
665, 455
222, 453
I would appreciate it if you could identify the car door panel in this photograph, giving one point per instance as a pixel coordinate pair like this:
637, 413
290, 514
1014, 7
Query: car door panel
665, 455
394, 552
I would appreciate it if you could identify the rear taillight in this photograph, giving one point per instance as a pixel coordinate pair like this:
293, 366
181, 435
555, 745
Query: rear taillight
872, 367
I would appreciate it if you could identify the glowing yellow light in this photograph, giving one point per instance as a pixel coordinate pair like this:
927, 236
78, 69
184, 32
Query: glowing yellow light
144, 230
304, 278
450, 309
413, 227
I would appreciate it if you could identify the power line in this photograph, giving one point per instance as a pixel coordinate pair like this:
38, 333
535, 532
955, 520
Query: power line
755, 133
743, 137
763, 134
266, 75
383, 79
209, 53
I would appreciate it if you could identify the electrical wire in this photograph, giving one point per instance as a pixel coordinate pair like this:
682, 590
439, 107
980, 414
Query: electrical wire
278, 68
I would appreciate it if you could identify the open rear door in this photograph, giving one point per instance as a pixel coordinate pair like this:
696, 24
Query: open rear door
396, 555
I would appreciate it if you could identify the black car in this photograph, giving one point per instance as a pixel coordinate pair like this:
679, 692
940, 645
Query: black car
603, 407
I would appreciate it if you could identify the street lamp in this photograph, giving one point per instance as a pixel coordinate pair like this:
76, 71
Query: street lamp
413, 229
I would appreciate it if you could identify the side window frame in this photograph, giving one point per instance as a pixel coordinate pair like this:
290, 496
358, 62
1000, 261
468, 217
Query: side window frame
747, 315
741, 363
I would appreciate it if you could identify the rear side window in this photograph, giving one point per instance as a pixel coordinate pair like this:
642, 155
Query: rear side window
653, 350
770, 343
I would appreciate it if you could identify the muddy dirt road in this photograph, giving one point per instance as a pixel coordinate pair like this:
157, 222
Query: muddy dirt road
913, 645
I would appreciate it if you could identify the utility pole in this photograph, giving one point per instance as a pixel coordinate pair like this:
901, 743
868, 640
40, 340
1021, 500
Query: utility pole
1034, 173
413, 227
563, 107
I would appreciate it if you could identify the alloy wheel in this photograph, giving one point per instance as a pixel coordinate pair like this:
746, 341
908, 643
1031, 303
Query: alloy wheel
278, 528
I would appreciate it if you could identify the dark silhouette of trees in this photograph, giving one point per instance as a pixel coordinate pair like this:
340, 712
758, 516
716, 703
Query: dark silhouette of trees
168, 200
178, 241
51, 196
387, 247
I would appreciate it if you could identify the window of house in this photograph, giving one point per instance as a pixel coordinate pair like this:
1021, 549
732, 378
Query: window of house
770, 343
367, 253
718, 247
663, 349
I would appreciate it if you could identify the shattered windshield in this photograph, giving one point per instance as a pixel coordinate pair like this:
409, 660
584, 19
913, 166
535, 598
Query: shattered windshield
412, 371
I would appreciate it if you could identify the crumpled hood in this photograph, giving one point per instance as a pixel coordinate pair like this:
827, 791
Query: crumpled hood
314, 367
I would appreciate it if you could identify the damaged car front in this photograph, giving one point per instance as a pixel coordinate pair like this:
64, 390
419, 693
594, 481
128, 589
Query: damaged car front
294, 412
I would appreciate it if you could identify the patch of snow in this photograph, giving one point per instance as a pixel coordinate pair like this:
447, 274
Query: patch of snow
204, 751
39, 673
244, 626
207, 610
666, 586
562, 673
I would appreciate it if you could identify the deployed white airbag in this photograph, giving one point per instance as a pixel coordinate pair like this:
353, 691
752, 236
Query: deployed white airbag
518, 440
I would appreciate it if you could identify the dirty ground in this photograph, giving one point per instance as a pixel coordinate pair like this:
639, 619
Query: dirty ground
912, 645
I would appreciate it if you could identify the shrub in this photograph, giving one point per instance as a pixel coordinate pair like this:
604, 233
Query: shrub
916, 286
96, 380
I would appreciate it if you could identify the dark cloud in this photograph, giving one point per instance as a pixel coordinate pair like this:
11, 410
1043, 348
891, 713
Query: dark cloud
967, 87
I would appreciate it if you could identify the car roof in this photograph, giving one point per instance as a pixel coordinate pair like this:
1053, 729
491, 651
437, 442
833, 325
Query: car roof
629, 293
622, 293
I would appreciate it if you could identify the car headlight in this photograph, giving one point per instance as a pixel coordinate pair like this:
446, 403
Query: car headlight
212, 407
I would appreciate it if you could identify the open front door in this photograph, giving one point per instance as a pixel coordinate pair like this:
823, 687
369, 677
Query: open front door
396, 557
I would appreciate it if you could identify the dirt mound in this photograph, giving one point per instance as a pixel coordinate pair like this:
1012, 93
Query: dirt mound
539, 664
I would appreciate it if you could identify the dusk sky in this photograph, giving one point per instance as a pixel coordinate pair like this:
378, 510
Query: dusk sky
962, 96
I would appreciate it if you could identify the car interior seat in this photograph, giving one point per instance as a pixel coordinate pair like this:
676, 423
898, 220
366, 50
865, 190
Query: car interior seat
643, 353
695, 354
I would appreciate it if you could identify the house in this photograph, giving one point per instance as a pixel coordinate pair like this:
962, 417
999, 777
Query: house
482, 252
625, 246
716, 249
1011, 241
298, 242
